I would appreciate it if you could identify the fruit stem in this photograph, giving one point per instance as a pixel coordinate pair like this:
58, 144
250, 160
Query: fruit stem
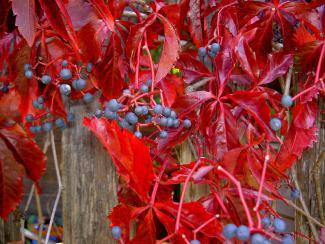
157, 183
319, 65
165, 239
205, 224
137, 67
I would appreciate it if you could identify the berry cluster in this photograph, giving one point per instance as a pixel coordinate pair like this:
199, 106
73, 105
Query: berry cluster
243, 233
286, 102
136, 109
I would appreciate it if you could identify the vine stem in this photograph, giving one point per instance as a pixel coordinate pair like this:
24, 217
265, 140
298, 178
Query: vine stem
205, 224
178, 218
157, 183
165, 239
137, 67
241, 195
288, 81
266, 160
219, 13
319, 65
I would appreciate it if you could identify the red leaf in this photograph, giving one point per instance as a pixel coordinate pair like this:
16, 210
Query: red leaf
130, 155
105, 13
25, 18
170, 50
277, 65
9, 105
146, 231
172, 87
25, 150
196, 29
305, 114
11, 181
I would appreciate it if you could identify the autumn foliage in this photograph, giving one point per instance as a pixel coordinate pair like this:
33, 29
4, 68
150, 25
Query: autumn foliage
267, 49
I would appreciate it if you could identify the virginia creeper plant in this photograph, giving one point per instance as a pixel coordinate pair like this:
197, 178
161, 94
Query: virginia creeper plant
239, 81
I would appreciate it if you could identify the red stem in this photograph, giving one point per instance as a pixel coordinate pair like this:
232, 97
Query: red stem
151, 67
320, 63
137, 67
156, 186
165, 239
204, 224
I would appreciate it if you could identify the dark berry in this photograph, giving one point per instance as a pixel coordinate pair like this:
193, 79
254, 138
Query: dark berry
71, 117
138, 134
29, 117
229, 231
144, 88
275, 124
215, 47
163, 134
65, 89
267, 242
170, 122
47, 126
65, 74
32, 129
176, 123
163, 121
65, 63
195, 242
79, 84
149, 82
173, 114
88, 97
89, 67
59, 123
187, 123
46, 79
266, 221
158, 109
110, 115
40, 100
212, 54
35, 104
27, 67
295, 194
279, 225
202, 51
287, 239
29, 74
138, 110
243, 233
131, 118
5, 88
98, 113
116, 232
286, 101
257, 239
166, 111
148, 119
145, 110
113, 105
38, 129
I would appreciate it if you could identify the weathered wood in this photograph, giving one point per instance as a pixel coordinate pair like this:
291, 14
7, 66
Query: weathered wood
89, 184
10, 229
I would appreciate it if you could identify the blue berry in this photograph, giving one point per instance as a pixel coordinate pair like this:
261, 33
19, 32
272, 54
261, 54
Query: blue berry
138, 110
229, 231
5, 88
173, 114
195, 242
158, 109
215, 47
166, 111
145, 110
65, 89
88, 97
38, 129
59, 123
27, 67
138, 134
71, 117
275, 124
266, 221
202, 51
113, 105
149, 82
65, 63
176, 123
98, 113
131, 118
148, 119
257, 239
243, 233
267, 242
163, 121
65, 74
47, 126
187, 123
116, 232
279, 225
295, 194
286, 101
89, 67
163, 134
144, 88
110, 115
46, 79
32, 129
40, 100
29, 74
29, 117
79, 84
124, 124
287, 239
170, 122
126, 92
35, 104
212, 54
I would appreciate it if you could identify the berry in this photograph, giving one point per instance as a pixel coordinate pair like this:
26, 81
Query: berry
38, 129
71, 117
287, 239
124, 124
279, 225
267, 242
266, 221
202, 51
257, 239
145, 110
144, 88
215, 47
47, 126
29, 117
46, 79
163, 134
5, 89
89, 67
59, 123
173, 114
166, 111
98, 113
170, 122
229, 231
27, 67
148, 119
149, 82
286, 101
88, 97
275, 124
195, 242
158, 109
113, 105
131, 118
163, 121
243, 233
176, 123
110, 115
65, 89
187, 123
32, 129
138, 110
116, 232
65, 74
40, 100
212, 54
35, 104
295, 194
79, 84
29, 74
126, 92
65, 63
138, 134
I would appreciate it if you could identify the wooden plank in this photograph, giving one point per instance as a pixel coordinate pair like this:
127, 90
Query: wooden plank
10, 229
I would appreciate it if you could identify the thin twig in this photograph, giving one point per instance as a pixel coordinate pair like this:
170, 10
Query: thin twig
40, 216
288, 81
